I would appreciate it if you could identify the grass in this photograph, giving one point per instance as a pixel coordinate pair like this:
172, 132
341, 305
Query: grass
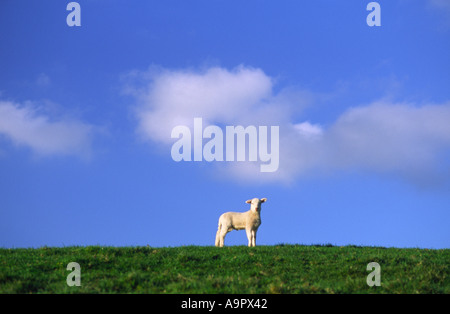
234, 269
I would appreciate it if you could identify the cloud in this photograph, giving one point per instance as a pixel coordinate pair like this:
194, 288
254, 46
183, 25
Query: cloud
217, 95
401, 139
23, 125
383, 137
387, 135
242, 95
308, 130
404, 140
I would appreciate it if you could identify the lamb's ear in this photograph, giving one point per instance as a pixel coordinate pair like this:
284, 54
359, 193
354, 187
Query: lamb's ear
263, 200
249, 201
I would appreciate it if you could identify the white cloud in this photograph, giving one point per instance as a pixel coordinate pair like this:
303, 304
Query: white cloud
309, 131
25, 126
176, 97
386, 137
396, 139
391, 138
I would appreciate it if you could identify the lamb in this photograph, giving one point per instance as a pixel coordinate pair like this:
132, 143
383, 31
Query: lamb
249, 220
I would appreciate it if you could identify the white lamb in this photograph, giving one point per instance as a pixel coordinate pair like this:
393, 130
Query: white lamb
250, 221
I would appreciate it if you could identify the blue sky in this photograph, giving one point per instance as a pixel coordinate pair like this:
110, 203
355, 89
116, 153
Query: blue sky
86, 115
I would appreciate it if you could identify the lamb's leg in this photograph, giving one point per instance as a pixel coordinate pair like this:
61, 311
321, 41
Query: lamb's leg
249, 236
222, 234
217, 243
222, 238
253, 237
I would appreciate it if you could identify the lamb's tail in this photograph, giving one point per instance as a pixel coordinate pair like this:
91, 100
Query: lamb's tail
218, 234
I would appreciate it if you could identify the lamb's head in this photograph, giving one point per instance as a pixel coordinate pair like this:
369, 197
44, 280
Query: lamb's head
255, 204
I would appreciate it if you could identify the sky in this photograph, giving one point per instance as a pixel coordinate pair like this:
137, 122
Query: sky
87, 114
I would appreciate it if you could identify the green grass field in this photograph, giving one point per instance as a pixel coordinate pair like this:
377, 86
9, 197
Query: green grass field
234, 269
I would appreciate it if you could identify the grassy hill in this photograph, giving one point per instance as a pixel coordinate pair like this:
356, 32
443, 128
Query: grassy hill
237, 269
